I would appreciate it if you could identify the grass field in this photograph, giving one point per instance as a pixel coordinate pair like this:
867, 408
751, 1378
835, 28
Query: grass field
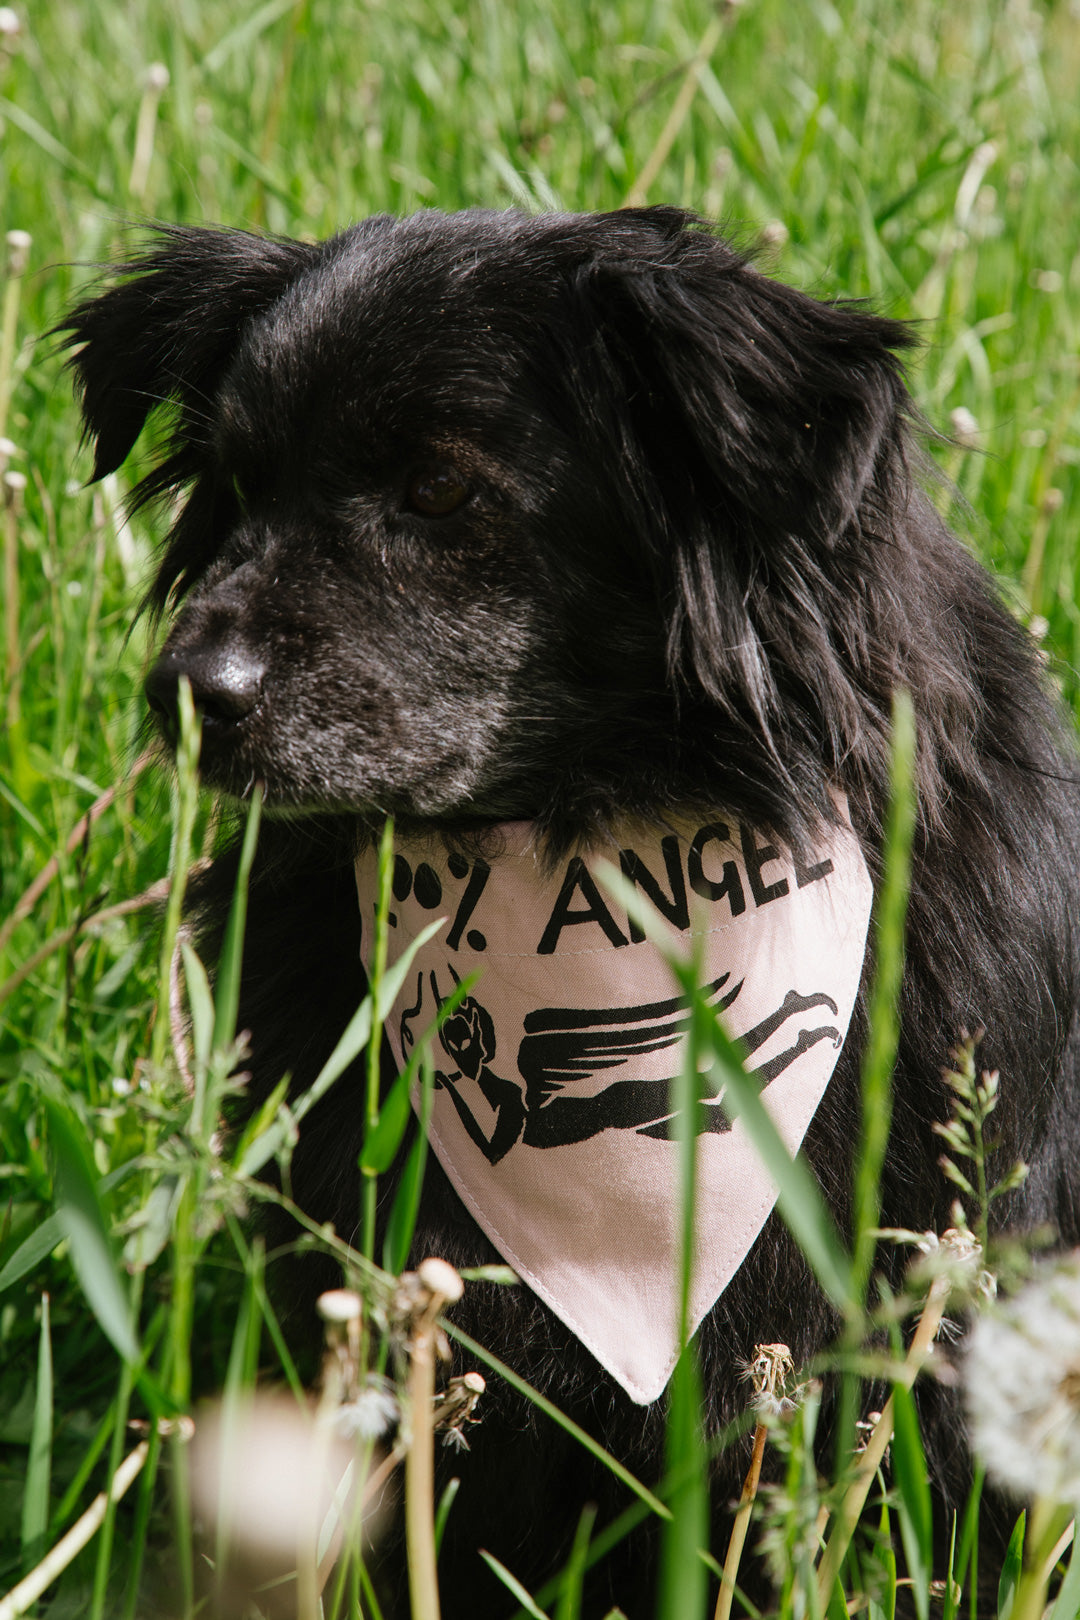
925, 157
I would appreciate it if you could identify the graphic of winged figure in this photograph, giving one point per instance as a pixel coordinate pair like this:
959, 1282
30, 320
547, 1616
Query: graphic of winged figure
563, 1046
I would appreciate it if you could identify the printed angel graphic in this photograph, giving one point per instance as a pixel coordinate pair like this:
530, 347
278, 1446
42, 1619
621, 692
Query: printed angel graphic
564, 1048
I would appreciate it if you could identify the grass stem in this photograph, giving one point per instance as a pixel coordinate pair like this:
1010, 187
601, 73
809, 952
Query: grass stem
443, 1286
742, 1523
374, 1051
186, 806
21, 1598
870, 1460
638, 195
19, 244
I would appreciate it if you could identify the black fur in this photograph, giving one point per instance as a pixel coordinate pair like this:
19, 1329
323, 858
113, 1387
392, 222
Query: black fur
694, 565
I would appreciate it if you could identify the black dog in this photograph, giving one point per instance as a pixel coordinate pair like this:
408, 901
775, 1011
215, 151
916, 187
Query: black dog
572, 519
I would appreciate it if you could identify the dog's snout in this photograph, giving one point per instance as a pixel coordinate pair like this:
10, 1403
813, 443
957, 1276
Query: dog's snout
226, 684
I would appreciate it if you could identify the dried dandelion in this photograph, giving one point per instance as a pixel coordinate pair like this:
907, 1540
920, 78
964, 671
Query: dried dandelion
155, 84
434, 1284
769, 1373
1022, 1378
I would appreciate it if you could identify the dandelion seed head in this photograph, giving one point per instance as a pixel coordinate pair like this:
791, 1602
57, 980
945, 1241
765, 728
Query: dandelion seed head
371, 1415
769, 1372
261, 1471
965, 428
1022, 1373
339, 1305
19, 244
440, 1278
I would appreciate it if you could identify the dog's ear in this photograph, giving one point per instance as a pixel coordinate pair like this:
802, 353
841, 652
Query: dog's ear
778, 407
167, 330
752, 428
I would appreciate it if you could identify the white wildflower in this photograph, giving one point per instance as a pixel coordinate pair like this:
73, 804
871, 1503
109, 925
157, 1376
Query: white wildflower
1022, 1373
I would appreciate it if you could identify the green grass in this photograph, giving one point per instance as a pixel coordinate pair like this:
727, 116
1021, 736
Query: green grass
923, 156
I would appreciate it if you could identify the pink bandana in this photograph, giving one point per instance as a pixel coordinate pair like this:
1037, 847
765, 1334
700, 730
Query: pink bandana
552, 1114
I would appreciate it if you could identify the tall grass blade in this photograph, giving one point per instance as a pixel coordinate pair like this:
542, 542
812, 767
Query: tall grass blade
951, 1588
227, 999
41, 1242
33, 1250
376, 975
913, 1497
442, 1512
882, 1041
88, 1462
201, 1002
239, 1381
266, 1310
381, 1143
85, 1226
883, 1037
1067, 1602
259, 1150
1011, 1569
35, 1503
185, 807
565, 1423
402, 1222
799, 1198
514, 1586
969, 1540
885, 1557
682, 1580
570, 1601
116, 1455
245, 33
50, 145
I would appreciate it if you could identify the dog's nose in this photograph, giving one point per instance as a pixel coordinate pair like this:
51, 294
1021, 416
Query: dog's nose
226, 683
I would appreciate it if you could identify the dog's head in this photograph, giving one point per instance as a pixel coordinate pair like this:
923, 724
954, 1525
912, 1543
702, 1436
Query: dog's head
489, 516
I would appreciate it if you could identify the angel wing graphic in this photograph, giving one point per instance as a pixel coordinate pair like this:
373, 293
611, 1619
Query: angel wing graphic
562, 1047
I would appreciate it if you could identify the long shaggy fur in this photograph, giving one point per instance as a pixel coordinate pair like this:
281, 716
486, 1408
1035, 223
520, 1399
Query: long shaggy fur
694, 565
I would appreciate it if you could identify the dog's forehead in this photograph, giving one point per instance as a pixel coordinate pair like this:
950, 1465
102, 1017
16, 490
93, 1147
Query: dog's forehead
386, 319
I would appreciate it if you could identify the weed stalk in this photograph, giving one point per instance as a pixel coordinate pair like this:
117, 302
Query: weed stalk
443, 1287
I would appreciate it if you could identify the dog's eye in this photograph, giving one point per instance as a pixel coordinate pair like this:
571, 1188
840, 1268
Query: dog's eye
437, 491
